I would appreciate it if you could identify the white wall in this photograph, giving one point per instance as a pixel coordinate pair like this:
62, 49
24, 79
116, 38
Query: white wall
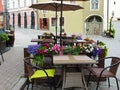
114, 7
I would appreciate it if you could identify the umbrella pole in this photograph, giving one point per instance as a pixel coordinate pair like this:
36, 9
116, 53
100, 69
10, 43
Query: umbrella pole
56, 26
61, 23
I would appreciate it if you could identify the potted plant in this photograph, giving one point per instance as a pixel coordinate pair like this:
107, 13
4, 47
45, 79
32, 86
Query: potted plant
39, 51
3, 38
111, 31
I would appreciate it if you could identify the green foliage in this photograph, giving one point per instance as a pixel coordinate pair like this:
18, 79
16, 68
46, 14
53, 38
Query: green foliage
111, 31
68, 50
103, 46
4, 37
76, 50
38, 60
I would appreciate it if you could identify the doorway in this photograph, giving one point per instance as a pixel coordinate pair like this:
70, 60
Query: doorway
32, 20
94, 25
25, 20
19, 20
44, 23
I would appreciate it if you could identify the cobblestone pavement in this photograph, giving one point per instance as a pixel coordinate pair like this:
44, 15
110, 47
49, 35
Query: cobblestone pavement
13, 68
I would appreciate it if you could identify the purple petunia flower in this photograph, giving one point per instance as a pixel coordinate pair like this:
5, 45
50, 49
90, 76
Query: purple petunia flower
79, 38
32, 49
96, 51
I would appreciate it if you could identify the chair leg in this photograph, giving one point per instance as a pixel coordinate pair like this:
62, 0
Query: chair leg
117, 84
88, 78
108, 82
54, 85
98, 81
50, 86
28, 84
32, 84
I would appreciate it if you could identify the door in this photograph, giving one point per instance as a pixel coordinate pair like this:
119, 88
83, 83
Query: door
94, 25
44, 23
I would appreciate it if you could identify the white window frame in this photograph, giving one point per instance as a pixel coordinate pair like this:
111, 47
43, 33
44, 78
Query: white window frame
53, 25
95, 7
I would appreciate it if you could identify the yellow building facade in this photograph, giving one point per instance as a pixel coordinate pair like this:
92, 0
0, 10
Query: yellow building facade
84, 21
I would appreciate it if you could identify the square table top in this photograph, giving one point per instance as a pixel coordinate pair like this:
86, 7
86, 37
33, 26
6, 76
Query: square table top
72, 59
43, 40
74, 41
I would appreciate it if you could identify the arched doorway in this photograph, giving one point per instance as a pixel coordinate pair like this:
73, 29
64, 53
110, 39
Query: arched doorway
25, 20
19, 20
94, 25
32, 20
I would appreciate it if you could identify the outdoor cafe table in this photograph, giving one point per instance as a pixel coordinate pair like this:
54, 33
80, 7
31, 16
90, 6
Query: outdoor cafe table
43, 40
76, 78
74, 41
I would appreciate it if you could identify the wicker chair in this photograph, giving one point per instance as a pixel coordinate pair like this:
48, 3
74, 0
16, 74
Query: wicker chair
105, 72
38, 75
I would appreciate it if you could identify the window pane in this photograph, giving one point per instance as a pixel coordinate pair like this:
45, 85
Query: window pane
53, 21
94, 4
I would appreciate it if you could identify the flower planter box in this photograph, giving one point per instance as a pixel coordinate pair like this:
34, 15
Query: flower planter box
11, 40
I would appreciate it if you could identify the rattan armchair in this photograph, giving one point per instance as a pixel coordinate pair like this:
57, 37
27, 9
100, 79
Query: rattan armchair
38, 75
105, 72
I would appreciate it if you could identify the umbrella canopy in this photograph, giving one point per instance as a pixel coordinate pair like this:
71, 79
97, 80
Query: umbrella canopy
56, 6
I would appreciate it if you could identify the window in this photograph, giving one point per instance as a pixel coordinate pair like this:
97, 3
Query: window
13, 4
18, 3
8, 5
44, 11
53, 21
94, 4
24, 3
3, 2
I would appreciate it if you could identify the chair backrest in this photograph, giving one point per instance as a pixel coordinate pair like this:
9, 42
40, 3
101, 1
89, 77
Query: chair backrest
26, 54
48, 61
114, 65
101, 57
29, 68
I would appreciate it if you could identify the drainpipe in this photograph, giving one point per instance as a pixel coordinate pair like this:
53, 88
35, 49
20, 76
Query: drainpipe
37, 17
107, 13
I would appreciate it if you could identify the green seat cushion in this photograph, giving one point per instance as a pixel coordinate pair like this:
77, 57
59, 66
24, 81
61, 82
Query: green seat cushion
41, 74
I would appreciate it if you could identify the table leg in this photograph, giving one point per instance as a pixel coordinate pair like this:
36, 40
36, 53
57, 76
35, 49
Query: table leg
64, 77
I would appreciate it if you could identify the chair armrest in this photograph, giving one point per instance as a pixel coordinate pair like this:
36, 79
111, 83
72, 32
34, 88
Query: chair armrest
113, 64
